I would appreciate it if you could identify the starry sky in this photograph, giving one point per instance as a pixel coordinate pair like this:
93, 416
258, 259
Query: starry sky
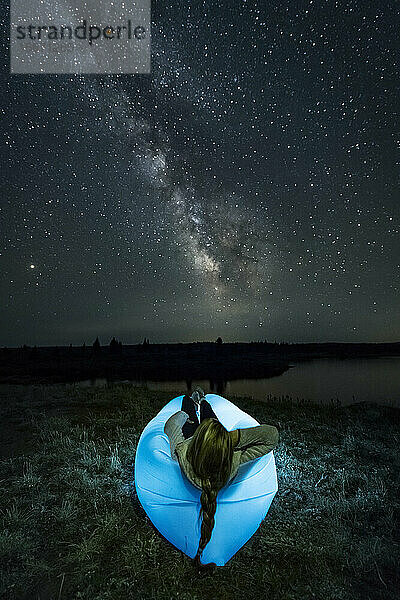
248, 187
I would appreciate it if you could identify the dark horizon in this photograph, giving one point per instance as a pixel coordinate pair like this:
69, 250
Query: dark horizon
224, 342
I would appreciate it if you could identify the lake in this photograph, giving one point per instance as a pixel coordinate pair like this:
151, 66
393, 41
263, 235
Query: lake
320, 380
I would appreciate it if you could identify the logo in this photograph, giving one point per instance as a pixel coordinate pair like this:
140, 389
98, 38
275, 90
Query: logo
80, 36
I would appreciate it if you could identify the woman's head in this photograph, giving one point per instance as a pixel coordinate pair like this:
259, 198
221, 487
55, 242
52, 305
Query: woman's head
210, 452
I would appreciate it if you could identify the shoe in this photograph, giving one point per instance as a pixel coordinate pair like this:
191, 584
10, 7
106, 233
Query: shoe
198, 396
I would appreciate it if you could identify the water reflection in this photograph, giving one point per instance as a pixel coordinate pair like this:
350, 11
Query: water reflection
216, 386
319, 380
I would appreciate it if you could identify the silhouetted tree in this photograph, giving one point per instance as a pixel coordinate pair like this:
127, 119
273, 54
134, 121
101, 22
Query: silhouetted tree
120, 347
145, 343
219, 340
113, 345
96, 345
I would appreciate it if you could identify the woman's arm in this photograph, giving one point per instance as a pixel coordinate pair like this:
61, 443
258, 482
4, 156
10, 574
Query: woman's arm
173, 429
235, 435
257, 441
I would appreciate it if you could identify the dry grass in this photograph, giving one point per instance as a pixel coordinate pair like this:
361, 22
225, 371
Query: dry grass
72, 526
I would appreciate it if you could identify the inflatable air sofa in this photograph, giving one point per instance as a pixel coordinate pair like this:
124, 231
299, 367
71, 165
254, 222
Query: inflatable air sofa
172, 502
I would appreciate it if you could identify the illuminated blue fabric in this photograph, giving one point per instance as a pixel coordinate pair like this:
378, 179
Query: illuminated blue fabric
172, 502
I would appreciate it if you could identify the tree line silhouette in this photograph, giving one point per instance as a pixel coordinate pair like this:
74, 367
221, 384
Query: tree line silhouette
116, 346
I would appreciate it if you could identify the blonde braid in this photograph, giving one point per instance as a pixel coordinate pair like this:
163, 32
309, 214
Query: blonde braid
210, 453
208, 509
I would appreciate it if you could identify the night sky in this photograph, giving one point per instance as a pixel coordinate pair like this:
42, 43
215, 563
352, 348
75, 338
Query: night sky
247, 188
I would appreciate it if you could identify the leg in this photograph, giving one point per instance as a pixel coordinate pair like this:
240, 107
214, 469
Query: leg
188, 407
188, 429
206, 411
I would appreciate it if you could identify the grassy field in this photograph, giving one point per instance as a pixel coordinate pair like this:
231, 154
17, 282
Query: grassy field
72, 526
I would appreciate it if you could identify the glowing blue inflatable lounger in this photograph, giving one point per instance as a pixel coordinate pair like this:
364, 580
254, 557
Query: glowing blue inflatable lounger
172, 502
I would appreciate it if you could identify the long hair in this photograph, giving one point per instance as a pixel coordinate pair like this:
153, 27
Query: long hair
210, 453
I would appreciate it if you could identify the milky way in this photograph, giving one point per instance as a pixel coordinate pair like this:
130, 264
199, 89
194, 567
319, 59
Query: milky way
247, 187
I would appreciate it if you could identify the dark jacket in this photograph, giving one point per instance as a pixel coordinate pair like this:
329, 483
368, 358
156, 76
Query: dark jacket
253, 443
